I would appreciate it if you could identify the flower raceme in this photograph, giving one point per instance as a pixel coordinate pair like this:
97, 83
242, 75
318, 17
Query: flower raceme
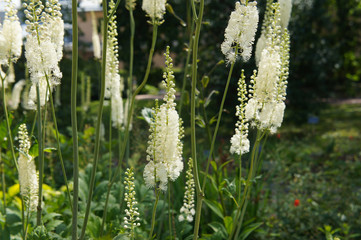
11, 39
44, 46
187, 210
132, 215
164, 152
155, 9
240, 32
28, 177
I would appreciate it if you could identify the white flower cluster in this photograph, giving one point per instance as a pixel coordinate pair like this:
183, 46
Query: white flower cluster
132, 215
16, 94
11, 39
240, 32
239, 141
268, 90
95, 37
164, 151
155, 9
44, 46
28, 177
284, 18
187, 210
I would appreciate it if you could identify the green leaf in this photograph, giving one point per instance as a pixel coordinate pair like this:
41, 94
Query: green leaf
122, 236
215, 207
228, 222
214, 165
249, 229
219, 229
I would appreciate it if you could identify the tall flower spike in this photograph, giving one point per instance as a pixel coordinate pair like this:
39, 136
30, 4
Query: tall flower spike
164, 151
11, 35
131, 219
16, 93
187, 210
266, 107
28, 177
44, 46
95, 37
155, 9
240, 32
286, 9
239, 141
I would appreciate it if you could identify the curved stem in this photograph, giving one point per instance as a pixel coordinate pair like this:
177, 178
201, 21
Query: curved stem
8, 124
157, 192
199, 191
186, 69
74, 78
99, 120
217, 126
60, 155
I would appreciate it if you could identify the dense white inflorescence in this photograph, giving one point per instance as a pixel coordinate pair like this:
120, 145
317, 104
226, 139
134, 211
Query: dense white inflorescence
164, 151
44, 47
240, 32
155, 9
16, 94
95, 37
187, 210
266, 107
28, 177
239, 141
285, 9
11, 38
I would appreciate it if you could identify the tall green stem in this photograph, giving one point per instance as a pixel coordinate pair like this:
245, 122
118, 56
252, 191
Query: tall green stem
157, 192
58, 144
199, 191
8, 124
74, 83
40, 157
99, 119
242, 205
3, 186
130, 112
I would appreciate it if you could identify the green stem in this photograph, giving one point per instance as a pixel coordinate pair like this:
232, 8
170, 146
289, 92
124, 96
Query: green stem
22, 215
110, 139
8, 124
243, 203
169, 212
99, 119
217, 125
27, 224
130, 112
157, 192
34, 123
3, 186
74, 79
58, 143
199, 191
40, 157
186, 69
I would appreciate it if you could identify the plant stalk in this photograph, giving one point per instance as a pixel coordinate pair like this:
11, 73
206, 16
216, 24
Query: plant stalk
40, 157
99, 119
74, 78
199, 191
157, 192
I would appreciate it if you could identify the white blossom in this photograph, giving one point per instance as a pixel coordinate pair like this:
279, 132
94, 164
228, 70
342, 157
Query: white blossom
164, 151
285, 10
16, 93
95, 37
155, 9
28, 177
11, 39
187, 210
240, 32
131, 220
